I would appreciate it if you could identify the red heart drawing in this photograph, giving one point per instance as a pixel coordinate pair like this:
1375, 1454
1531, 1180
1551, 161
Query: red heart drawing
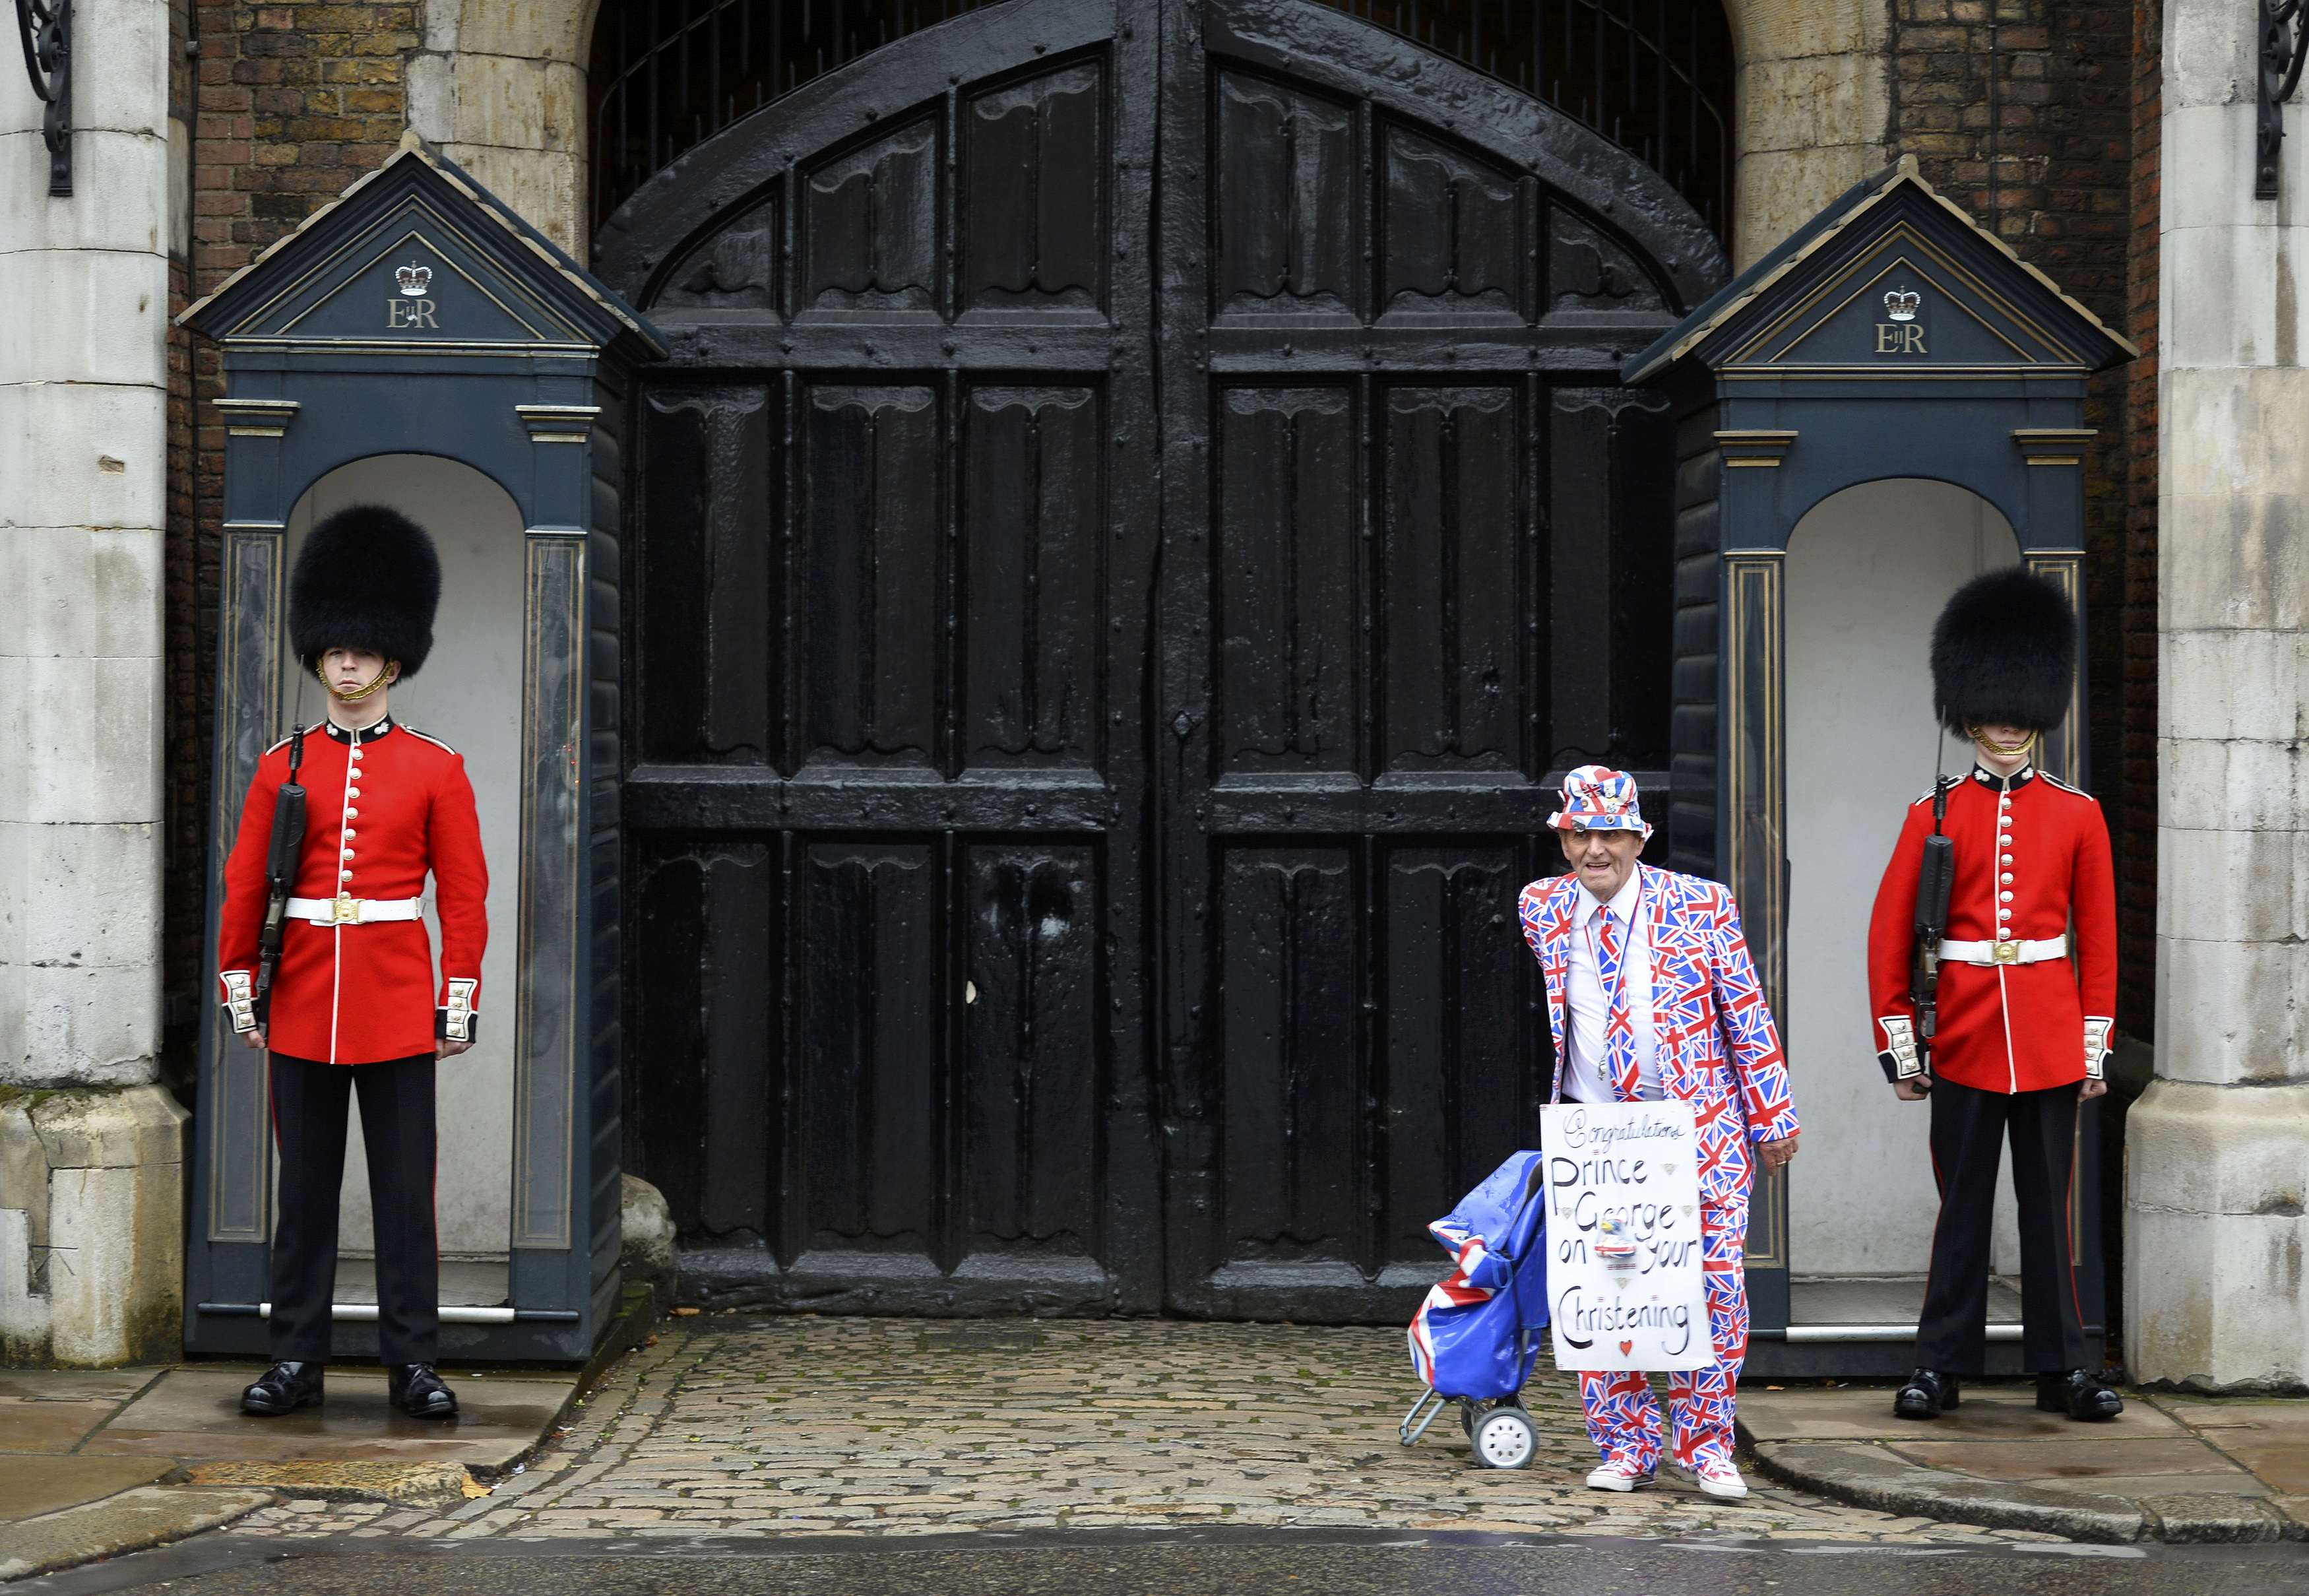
1626, 1347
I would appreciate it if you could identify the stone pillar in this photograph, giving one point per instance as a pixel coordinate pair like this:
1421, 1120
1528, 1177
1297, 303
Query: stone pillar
90, 1150
500, 90
2217, 1266
1814, 110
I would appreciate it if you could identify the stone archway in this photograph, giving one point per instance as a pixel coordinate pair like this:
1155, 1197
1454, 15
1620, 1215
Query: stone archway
501, 90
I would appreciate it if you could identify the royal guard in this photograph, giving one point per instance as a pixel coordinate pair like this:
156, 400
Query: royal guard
325, 957
1651, 995
1999, 1009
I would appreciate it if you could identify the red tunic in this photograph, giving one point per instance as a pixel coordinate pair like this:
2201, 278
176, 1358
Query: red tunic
379, 816
2008, 1028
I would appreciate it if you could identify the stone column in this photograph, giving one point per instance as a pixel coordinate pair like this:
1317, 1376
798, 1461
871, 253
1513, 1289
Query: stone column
2217, 1269
1814, 107
90, 1149
500, 90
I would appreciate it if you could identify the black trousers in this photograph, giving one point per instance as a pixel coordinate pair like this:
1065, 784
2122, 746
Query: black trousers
309, 1102
1969, 1129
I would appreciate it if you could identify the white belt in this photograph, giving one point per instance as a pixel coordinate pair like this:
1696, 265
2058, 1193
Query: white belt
355, 911
2035, 952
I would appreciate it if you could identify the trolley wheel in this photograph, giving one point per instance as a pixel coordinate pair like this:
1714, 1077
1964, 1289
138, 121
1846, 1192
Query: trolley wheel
1467, 1418
1505, 1439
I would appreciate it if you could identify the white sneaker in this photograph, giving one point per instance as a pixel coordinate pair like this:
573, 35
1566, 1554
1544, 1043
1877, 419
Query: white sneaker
1718, 1478
1619, 1476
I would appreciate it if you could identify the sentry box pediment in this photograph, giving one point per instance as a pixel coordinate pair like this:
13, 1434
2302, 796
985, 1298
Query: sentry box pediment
412, 337
418, 257
1891, 283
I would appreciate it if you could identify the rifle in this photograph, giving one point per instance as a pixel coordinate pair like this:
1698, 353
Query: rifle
1935, 872
281, 855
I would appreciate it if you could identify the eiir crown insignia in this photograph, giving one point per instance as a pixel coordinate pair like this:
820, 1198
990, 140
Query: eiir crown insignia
1902, 304
415, 280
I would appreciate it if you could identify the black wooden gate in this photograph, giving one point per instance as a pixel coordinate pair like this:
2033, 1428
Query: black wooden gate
1140, 505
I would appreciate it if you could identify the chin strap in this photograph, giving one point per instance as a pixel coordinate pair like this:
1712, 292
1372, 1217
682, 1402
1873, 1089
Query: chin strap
2026, 745
384, 678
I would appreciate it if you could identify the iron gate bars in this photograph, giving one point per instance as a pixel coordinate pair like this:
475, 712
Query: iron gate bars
1654, 76
45, 26
668, 74
2284, 45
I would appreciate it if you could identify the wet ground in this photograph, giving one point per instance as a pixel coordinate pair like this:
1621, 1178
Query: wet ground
1210, 1563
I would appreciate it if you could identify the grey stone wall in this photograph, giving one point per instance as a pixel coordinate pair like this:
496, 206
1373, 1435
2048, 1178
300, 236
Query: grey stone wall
2218, 1147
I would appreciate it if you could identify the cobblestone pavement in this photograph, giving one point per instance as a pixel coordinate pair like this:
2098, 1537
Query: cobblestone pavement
743, 1425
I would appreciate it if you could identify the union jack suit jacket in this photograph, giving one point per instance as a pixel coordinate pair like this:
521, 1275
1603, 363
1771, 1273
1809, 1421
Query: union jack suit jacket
1717, 1048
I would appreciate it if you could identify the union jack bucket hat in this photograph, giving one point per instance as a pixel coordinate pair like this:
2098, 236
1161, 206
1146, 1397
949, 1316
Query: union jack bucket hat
1598, 798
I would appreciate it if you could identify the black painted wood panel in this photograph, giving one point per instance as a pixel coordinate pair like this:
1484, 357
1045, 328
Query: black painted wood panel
1458, 588
1286, 238
870, 226
869, 1075
1293, 1126
1590, 270
1033, 590
1468, 1057
872, 670
1291, 580
705, 1108
1035, 183
1033, 1080
1453, 232
735, 268
710, 669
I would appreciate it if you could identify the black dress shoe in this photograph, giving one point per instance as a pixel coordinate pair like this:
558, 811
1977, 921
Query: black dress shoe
417, 1391
284, 1388
2079, 1393
1928, 1394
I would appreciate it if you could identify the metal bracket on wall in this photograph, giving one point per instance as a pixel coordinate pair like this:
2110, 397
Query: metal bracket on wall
2284, 44
45, 26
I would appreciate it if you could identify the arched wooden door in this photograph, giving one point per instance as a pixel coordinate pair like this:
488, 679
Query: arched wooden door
1140, 502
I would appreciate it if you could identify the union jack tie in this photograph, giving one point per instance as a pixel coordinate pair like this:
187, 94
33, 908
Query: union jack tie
1618, 1030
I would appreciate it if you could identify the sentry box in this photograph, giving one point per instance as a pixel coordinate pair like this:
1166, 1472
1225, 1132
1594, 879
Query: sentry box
417, 343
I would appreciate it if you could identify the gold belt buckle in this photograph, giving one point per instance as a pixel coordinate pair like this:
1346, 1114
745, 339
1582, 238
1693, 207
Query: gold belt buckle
2005, 953
344, 910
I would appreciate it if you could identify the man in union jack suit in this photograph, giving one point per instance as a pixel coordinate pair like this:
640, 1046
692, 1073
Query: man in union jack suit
1651, 995
2022, 1032
353, 1007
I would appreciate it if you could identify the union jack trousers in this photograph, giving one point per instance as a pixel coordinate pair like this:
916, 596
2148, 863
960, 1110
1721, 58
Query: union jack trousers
1623, 1416
1717, 1049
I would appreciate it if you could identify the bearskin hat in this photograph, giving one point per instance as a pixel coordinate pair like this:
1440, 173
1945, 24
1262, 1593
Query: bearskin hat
367, 578
2004, 653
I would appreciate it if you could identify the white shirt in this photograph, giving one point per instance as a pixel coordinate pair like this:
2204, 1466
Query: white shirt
1587, 1073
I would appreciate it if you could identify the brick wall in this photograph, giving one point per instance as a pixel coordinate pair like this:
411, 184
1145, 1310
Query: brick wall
290, 104
2137, 859
2027, 113
183, 826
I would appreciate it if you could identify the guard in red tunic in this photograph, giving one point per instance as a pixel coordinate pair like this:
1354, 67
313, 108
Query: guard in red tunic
2026, 990
352, 1006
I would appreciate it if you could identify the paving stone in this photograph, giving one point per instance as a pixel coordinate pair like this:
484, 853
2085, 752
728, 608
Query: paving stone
821, 1426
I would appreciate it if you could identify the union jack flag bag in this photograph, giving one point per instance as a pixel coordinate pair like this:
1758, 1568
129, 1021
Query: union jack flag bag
1478, 1334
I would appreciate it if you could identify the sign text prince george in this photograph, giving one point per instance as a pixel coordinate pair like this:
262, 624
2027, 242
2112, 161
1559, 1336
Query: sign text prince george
1624, 1262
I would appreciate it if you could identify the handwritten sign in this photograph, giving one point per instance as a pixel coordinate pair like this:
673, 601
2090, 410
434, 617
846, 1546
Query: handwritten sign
1623, 1243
